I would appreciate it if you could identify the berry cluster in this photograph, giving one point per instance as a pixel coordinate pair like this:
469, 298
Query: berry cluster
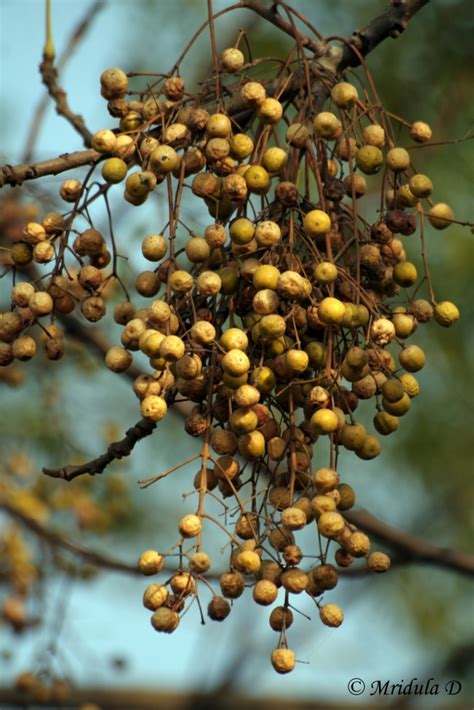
276, 320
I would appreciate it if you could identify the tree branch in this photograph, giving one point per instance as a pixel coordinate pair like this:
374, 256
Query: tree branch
16, 174
409, 547
270, 14
57, 540
333, 60
116, 450
390, 23
49, 76
75, 38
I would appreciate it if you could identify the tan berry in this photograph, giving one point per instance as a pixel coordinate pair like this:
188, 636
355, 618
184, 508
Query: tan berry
293, 519
153, 407
165, 620
398, 159
252, 94
294, 580
324, 421
344, 94
70, 190
40, 303
114, 83
325, 479
331, 615
103, 141
440, 216
283, 660
316, 223
358, 544
382, 331
265, 592
154, 596
182, 583
326, 125
412, 358
43, 253
378, 562
267, 234
124, 147
199, 563
23, 348
190, 525
270, 111
420, 185
446, 313
374, 135
164, 159
369, 158
330, 524
235, 362
331, 311
118, 359
420, 132
274, 159
154, 247
232, 60
150, 562
297, 135
181, 281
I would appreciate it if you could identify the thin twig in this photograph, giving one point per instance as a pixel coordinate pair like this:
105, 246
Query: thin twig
49, 75
77, 35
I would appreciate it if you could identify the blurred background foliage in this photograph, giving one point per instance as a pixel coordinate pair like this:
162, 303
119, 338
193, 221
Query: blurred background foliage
67, 411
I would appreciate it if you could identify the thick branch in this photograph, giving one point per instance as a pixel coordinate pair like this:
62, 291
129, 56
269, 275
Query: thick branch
390, 23
116, 450
16, 174
411, 548
57, 540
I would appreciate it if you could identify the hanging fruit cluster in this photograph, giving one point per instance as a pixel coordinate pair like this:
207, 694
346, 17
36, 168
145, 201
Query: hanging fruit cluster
292, 304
